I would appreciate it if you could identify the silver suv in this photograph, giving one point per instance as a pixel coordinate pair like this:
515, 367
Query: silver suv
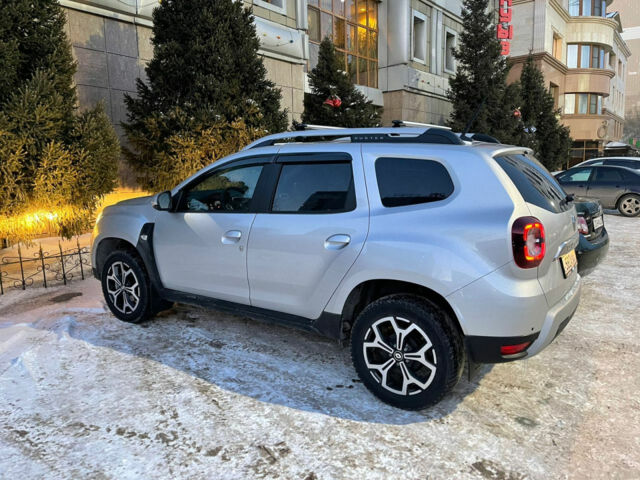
425, 251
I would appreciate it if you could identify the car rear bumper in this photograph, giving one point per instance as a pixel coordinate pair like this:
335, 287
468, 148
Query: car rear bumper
592, 252
557, 318
542, 330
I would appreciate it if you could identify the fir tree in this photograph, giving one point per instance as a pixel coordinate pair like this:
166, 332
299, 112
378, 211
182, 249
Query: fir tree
334, 100
205, 69
50, 157
480, 78
547, 137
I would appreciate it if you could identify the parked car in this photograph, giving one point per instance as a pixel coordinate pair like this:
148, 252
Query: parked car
615, 187
424, 252
594, 239
629, 162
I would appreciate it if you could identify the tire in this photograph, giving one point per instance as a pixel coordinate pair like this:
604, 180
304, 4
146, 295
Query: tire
629, 205
130, 300
402, 382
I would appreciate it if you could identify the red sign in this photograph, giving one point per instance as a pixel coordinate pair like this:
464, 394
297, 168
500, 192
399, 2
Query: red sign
505, 29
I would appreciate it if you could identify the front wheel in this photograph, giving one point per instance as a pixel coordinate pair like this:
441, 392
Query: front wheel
126, 287
406, 351
629, 205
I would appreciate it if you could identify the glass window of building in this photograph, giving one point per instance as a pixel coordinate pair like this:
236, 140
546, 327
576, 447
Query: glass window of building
353, 27
419, 37
582, 104
585, 56
588, 8
450, 45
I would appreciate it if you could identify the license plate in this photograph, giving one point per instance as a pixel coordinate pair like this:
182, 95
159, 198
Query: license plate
598, 222
568, 262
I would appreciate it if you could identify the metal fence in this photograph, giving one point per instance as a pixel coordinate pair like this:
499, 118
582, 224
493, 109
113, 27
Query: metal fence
43, 268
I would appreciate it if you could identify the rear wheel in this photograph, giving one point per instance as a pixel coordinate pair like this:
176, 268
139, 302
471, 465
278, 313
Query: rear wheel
127, 290
629, 205
406, 351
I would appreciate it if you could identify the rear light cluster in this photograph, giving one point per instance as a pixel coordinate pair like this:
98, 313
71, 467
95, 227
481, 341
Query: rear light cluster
528, 240
583, 228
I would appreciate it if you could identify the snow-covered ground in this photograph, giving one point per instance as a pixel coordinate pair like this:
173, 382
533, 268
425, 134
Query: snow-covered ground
197, 394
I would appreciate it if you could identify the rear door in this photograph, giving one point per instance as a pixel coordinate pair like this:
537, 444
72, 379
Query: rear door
576, 180
546, 201
314, 230
606, 185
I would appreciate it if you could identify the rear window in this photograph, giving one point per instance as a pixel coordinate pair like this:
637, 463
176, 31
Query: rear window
534, 182
410, 181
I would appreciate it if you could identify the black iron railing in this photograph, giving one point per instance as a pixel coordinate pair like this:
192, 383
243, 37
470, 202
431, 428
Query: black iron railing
43, 268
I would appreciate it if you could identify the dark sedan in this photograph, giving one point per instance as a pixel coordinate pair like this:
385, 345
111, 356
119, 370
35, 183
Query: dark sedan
594, 239
615, 187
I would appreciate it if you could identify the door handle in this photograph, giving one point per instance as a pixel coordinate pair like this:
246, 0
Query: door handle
232, 236
336, 242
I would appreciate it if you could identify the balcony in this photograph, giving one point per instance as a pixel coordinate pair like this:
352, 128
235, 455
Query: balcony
142, 8
589, 80
586, 126
599, 30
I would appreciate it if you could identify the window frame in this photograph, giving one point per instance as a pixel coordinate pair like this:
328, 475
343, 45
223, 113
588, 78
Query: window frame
579, 55
314, 158
372, 62
429, 203
422, 18
591, 8
448, 31
270, 6
576, 104
257, 204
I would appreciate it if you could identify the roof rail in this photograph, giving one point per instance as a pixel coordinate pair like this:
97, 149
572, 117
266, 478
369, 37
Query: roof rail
405, 123
364, 135
301, 127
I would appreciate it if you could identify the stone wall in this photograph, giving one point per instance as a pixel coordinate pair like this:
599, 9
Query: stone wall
415, 107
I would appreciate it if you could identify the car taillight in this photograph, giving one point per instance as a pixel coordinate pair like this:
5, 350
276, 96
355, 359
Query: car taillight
527, 237
583, 228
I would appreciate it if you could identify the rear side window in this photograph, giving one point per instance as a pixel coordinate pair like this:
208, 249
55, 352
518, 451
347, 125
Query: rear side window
315, 188
410, 181
608, 175
536, 185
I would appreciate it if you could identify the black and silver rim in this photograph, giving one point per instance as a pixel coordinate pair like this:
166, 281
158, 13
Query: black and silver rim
123, 287
399, 355
630, 206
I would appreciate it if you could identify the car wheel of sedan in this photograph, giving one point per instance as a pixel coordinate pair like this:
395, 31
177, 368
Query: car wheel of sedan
629, 205
126, 287
406, 351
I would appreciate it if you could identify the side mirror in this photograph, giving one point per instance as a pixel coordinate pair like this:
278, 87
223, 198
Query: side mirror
163, 201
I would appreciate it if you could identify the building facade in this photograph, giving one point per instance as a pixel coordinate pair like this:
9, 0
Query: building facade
398, 52
579, 48
630, 16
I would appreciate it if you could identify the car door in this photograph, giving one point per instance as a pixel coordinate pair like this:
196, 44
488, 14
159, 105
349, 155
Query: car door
576, 180
200, 246
606, 185
316, 227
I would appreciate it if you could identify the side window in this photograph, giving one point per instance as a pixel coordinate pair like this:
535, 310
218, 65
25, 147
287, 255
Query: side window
315, 188
608, 175
581, 175
228, 190
410, 181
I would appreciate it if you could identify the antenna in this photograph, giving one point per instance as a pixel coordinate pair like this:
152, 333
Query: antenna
473, 119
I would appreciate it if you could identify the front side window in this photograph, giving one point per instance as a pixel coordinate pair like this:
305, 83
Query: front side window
581, 175
352, 25
410, 181
315, 188
229, 190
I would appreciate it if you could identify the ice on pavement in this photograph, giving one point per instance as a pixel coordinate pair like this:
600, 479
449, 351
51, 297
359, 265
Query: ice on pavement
200, 394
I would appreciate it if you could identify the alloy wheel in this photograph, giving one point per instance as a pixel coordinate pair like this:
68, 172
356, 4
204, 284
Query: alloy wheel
631, 206
123, 287
399, 355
